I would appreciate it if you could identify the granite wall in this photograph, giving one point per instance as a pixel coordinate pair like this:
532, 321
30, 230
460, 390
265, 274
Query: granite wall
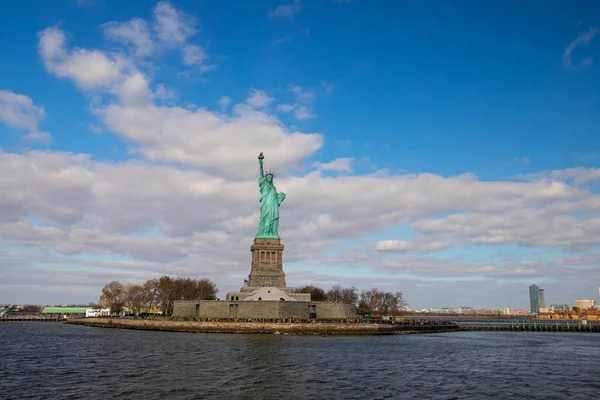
326, 309
262, 309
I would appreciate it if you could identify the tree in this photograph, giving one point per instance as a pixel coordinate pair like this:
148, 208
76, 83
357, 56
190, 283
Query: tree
151, 293
166, 294
377, 302
194, 289
340, 294
206, 290
171, 289
576, 310
135, 298
316, 293
29, 308
162, 292
112, 297
368, 303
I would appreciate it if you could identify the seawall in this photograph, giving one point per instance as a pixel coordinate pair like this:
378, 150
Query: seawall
262, 327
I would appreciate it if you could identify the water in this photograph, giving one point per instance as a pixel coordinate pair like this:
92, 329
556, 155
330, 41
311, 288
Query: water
56, 361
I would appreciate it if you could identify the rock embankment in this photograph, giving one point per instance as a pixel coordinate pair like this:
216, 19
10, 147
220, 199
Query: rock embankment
260, 327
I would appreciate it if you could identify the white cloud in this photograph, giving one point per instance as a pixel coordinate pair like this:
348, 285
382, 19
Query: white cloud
286, 11
414, 246
134, 90
42, 137
88, 68
583, 38
208, 140
193, 54
285, 107
207, 68
259, 99
303, 113
135, 32
301, 95
173, 26
578, 176
300, 108
164, 93
18, 111
172, 29
338, 165
174, 134
224, 102
91, 207
95, 129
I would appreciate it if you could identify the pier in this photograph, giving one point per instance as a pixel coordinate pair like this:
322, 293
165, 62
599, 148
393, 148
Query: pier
32, 318
531, 325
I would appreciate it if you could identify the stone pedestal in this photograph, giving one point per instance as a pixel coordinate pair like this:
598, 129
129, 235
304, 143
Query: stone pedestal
267, 264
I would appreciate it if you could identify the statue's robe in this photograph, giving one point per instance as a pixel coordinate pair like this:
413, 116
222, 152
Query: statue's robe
269, 208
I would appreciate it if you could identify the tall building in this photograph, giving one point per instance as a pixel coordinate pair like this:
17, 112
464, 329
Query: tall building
542, 299
534, 299
585, 304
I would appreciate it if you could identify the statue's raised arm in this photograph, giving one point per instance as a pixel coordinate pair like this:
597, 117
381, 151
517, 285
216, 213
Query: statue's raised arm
260, 163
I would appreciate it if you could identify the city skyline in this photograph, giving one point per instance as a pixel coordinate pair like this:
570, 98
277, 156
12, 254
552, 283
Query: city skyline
447, 150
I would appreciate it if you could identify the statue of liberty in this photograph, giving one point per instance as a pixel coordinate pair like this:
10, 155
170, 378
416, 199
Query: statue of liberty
270, 200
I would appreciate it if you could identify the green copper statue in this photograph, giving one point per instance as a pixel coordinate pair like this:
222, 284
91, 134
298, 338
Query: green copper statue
270, 200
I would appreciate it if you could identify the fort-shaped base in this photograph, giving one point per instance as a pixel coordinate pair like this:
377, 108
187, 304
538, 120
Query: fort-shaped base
266, 294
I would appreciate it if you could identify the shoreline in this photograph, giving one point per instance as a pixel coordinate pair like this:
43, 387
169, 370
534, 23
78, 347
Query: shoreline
317, 328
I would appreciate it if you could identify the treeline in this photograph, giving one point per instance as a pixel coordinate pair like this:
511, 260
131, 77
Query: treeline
160, 293
374, 301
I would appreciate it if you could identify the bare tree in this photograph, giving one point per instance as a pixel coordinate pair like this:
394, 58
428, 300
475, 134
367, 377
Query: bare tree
206, 290
171, 289
151, 291
163, 292
368, 303
30, 308
135, 298
340, 294
166, 294
377, 302
316, 293
112, 297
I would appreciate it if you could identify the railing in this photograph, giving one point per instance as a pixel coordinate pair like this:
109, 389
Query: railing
532, 326
32, 318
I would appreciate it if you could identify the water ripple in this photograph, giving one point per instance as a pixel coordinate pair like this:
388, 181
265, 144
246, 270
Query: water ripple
57, 361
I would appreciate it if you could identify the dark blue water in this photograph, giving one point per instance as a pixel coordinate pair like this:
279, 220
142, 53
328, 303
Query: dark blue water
56, 361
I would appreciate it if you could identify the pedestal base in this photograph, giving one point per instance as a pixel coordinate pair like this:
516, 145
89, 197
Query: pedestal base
267, 263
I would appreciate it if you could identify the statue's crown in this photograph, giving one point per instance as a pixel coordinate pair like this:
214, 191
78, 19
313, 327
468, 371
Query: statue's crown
270, 173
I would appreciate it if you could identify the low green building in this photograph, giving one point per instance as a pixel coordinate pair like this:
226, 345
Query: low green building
66, 311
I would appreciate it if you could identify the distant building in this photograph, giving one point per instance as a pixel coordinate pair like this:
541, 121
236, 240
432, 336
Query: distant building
97, 312
519, 312
585, 304
561, 308
534, 299
542, 299
66, 312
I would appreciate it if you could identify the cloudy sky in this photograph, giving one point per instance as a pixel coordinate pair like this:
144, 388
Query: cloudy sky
445, 149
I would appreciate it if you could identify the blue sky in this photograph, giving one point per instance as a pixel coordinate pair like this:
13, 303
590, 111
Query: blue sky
417, 142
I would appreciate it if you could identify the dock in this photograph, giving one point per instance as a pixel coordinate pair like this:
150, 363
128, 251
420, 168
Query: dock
32, 318
531, 325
